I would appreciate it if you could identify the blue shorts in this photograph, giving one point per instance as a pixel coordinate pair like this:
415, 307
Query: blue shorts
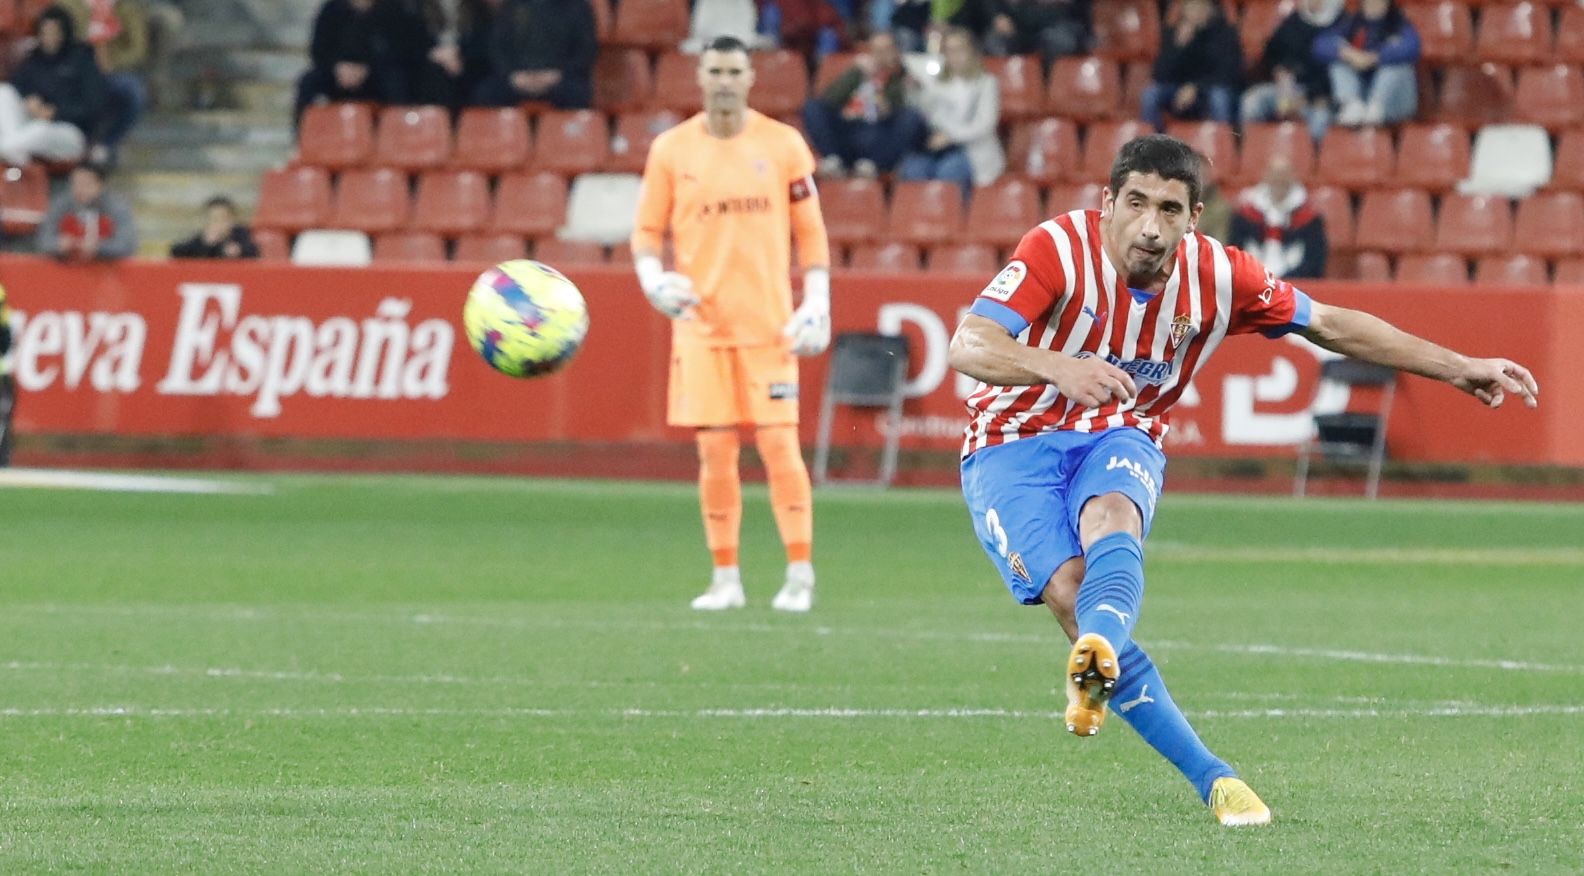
1025, 496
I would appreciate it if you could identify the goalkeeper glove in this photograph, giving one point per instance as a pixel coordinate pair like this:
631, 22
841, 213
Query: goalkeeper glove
809, 330
669, 292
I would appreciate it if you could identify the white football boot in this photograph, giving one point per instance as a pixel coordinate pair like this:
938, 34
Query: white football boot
725, 591
797, 594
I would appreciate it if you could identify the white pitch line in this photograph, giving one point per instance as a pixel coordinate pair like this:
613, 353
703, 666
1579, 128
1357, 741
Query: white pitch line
61, 479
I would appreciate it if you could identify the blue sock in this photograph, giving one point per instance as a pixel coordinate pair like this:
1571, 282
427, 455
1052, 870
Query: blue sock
1141, 700
1112, 588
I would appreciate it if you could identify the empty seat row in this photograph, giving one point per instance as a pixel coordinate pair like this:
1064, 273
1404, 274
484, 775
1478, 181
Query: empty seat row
1545, 225
1507, 33
1445, 269
448, 202
417, 247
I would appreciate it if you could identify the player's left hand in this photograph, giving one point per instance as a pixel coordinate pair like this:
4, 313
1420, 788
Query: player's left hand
1489, 380
809, 330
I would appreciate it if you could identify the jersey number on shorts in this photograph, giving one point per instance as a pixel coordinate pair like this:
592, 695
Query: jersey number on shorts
997, 534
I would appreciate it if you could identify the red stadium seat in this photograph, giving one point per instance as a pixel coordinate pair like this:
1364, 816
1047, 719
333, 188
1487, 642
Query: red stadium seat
780, 82
1261, 141
926, 212
964, 258
1000, 213
1435, 269
336, 135
451, 202
1474, 96
1215, 141
371, 200
568, 253
1103, 141
1396, 220
290, 199
604, 19
651, 24
1373, 267
1127, 30
622, 79
1515, 34
1570, 272
1432, 157
676, 84
1511, 270
1044, 151
854, 210
1474, 225
832, 66
571, 142
1086, 88
409, 246
493, 140
1570, 35
1551, 95
274, 246
1568, 173
490, 249
413, 137
635, 133
1022, 83
529, 204
1065, 199
1136, 78
1551, 225
1356, 159
1446, 30
1336, 205
892, 258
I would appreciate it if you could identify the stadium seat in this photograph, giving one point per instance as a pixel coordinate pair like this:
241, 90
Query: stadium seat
1044, 151
490, 249
290, 199
964, 258
274, 246
1001, 212
650, 24
1569, 171
1336, 205
1126, 30
1551, 95
1474, 96
1474, 225
332, 248
1081, 196
1022, 83
568, 253
336, 135
1101, 144
622, 79
529, 204
601, 208
1085, 89
1511, 160
604, 19
1446, 30
1136, 78
409, 246
635, 133
412, 138
854, 209
1434, 269
1432, 157
780, 82
1570, 35
493, 140
676, 84
571, 142
893, 258
24, 197
1511, 270
1216, 142
1359, 158
1396, 221
1551, 225
371, 200
833, 65
1519, 33
926, 212
1262, 140
1570, 272
1373, 267
451, 202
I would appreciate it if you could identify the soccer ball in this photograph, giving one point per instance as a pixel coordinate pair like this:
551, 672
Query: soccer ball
525, 318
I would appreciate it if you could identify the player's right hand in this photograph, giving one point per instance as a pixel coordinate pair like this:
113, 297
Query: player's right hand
673, 295
1092, 381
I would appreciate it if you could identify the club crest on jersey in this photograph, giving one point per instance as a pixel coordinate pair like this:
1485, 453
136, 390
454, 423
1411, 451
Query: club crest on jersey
761, 167
1007, 282
1182, 328
1015, 563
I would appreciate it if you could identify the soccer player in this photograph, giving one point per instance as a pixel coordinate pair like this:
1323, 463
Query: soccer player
732, 186
1082, 344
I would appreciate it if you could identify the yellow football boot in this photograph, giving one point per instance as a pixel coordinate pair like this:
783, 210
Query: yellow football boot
1235, 803
1092, 671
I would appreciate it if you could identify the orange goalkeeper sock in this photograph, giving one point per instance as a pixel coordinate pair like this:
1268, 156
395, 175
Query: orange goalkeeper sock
720, 493
791, 495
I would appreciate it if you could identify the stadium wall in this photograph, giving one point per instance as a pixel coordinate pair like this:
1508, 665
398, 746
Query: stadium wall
262, 365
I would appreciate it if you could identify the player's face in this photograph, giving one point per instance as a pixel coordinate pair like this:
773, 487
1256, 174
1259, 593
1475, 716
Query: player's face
1145, 221
725, 78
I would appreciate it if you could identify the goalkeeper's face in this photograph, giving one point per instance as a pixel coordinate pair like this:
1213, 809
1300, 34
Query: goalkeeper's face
725, 77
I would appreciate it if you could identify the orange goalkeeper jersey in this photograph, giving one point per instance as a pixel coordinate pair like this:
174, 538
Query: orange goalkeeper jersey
730, 206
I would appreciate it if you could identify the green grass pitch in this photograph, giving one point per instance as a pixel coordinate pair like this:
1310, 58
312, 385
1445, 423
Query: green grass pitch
408, 674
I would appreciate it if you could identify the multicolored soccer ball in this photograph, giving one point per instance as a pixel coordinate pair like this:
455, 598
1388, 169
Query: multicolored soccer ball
525, 318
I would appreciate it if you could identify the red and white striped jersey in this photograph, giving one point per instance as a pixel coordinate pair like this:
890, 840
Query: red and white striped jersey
1061, 292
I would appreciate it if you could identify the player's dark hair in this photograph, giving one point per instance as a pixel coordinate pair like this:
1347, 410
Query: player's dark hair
726, 44
221, 201
1166, 157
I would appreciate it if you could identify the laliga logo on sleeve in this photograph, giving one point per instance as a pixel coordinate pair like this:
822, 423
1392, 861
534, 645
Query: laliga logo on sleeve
1007, 282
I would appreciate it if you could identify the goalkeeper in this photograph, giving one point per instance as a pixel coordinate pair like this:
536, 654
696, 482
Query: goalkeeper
732, 187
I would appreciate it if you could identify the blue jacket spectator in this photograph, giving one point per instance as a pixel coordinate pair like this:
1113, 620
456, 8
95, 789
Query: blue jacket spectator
1298, 85
1372, 54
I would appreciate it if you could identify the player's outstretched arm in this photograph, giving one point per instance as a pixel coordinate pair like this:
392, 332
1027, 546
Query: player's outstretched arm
1365, 336
983, 350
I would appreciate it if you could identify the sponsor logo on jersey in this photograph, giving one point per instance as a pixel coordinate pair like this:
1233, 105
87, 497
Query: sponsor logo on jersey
1007, 282
1151, 371
734, 206
780, 391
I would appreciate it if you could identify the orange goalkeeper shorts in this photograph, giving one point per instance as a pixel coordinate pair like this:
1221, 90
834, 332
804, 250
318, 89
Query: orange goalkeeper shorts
728, 386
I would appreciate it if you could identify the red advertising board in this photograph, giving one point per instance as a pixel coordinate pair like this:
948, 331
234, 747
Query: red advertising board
268, 351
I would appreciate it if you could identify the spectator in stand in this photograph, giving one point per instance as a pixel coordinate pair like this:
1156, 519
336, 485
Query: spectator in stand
1372, 54
87, 223
918, 24
1215, 220
1198, 70
1276, 224
118, 32
1300, 85
812, 28
456, 60
54, 98
734, 18
542, 50
1053, 28
222, 237
962, 106
862, 121
362, 50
